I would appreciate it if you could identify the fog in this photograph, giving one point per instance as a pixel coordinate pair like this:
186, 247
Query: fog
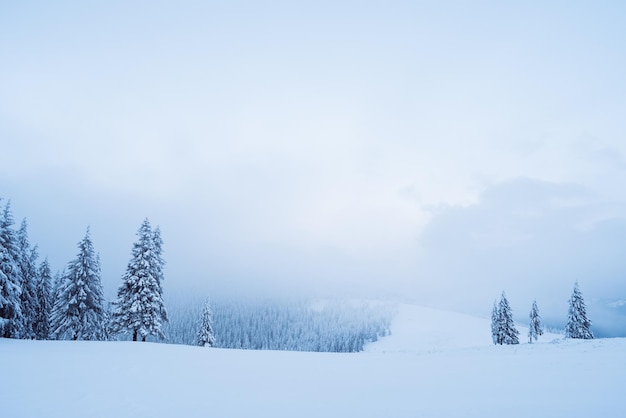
440, 153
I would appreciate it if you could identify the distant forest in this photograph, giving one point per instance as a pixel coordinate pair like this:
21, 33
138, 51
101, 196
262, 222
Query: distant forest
327, 325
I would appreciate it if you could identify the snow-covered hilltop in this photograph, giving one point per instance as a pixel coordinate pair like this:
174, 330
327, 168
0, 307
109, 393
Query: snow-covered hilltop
421, 329
435, 364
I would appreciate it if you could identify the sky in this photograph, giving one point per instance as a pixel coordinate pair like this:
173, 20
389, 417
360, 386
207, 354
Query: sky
440, 152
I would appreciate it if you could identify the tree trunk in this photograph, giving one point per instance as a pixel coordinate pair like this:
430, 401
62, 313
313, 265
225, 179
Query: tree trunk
135, 335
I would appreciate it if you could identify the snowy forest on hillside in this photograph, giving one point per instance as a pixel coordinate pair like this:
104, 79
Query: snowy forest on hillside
72, 306
327, 326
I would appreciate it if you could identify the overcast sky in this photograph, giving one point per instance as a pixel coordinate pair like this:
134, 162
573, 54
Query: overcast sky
440, 151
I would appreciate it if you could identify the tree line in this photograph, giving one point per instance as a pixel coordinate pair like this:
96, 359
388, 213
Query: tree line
294, 325
72, 306
503, 329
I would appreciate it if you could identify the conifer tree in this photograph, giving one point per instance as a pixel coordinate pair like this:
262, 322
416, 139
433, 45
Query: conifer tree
11, 319
27, 264
535, 329
78, 312
509, 332
44, 298
504, 327
139, 308
205, 331
578, 325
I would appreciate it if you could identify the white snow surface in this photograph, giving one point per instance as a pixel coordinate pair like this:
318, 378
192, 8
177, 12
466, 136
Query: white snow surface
435, 364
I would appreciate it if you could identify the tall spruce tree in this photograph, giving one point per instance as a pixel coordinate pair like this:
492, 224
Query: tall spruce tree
205, 331
78, 312
44, 298
27, 263
505, 331
11, 319
139, 308
535, 329
578, 325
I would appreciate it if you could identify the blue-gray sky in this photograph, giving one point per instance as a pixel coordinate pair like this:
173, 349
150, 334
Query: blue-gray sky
397, 147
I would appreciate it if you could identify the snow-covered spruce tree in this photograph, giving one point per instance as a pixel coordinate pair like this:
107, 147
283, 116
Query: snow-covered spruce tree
495, 324
139, 308
10, 281
578, 325
535, 329
205, 331
78, 312
507, 333
44, 298
29, 275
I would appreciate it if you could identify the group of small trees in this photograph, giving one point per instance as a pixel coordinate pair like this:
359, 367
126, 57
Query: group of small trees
503, 329
74, 307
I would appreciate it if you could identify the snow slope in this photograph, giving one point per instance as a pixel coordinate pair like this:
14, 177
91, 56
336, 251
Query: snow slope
422, 329
420, 371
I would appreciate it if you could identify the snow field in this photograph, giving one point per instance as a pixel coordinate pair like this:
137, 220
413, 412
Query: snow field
419, 371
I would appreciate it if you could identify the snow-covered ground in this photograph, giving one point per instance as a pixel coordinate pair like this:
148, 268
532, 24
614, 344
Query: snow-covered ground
435, 364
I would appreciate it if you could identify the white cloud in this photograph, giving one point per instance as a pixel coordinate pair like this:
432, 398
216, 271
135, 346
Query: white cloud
336, 138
